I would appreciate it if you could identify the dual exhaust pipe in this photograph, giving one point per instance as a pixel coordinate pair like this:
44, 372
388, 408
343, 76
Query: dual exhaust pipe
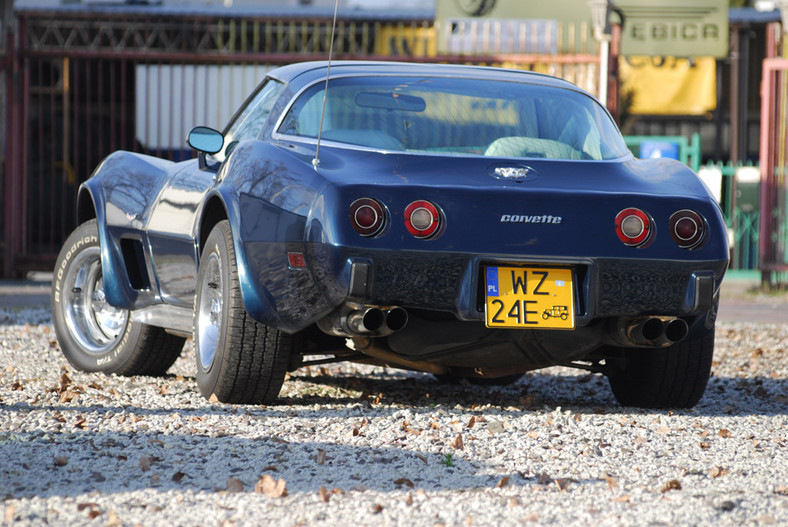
648, 331
369, 321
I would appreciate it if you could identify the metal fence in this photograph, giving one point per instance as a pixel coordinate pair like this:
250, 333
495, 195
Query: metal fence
81, 85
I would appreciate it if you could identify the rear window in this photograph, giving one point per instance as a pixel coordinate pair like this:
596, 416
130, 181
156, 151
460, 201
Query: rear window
457, 116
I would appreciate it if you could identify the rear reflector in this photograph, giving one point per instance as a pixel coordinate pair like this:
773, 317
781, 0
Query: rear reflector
296, 260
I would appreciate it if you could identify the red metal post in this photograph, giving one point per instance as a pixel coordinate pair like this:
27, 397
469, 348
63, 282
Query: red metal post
772, 187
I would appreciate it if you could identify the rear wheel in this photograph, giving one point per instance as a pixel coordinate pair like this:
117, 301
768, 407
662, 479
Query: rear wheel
672, 377
239, 360
94, 335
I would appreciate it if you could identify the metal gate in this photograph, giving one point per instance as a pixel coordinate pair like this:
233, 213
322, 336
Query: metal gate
773, 242
81, 85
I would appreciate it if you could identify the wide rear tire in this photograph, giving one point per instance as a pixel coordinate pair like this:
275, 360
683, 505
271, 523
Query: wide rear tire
94, 335
672, 377
239, 360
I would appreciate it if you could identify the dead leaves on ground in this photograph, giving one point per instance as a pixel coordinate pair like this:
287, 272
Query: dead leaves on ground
673, 484
271, 487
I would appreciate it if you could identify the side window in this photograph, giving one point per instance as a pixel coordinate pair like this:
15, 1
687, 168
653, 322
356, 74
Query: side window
248, 123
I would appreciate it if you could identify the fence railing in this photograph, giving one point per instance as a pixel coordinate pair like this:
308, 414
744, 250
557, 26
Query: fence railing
740, 191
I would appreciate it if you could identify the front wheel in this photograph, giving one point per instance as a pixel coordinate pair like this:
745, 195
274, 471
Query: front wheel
239, 360
672, 377
94, 335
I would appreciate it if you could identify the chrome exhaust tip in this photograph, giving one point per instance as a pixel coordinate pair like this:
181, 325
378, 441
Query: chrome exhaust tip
653, 331
396, 318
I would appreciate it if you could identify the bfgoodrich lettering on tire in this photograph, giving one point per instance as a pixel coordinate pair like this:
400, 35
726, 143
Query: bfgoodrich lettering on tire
239, 360
94, 335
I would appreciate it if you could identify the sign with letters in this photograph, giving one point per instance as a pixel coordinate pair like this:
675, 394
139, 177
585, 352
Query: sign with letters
675, 28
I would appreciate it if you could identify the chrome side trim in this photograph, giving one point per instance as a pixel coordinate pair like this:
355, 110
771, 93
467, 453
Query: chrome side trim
164, 316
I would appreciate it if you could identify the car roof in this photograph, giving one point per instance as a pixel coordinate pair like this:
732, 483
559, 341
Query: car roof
308, 72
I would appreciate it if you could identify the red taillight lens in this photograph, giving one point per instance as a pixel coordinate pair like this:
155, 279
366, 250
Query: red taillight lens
422, 219
633, 227
367, 216
687, 228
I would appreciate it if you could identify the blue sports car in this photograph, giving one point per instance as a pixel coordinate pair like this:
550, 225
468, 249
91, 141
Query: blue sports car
474, 223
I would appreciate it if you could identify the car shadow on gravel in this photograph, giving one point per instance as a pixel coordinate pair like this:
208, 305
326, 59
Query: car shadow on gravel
584, 394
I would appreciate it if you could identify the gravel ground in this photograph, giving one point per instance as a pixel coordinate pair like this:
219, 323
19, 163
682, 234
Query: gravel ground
373, 446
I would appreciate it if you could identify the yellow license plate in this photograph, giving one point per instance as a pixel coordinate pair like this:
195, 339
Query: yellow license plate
529, 297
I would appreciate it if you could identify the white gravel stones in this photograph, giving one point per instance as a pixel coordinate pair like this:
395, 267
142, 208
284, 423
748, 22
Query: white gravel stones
370, 446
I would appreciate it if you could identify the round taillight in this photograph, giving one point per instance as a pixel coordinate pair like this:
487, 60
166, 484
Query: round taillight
367, 216
422, 219
633, 227
687, 228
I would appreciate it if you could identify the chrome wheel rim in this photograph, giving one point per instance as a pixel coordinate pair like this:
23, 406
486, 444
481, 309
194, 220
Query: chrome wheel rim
209, 316
94, 324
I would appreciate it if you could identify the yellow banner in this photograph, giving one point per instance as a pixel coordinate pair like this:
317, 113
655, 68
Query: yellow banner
405, 41
668, 85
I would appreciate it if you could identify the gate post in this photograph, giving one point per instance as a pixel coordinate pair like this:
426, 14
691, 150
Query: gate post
13, 177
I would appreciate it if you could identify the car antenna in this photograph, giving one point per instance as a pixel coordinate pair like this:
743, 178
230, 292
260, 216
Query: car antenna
316, 160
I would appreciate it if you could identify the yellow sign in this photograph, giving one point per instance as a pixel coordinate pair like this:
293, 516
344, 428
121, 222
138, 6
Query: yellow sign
403, 41
669, 86
529, 297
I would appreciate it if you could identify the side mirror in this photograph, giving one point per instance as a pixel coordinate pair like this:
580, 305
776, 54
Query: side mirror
205, 140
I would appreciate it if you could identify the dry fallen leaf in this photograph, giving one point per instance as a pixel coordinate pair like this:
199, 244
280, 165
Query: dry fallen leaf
782, 490
705, 444
323, 493
234, 485
562, 483
611, 482
718, 472
424, 459
673, 484
404, 481
112, 519
271, 487
457, 444
504, 482
213, 398
471, 422
178, 476
724, 432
